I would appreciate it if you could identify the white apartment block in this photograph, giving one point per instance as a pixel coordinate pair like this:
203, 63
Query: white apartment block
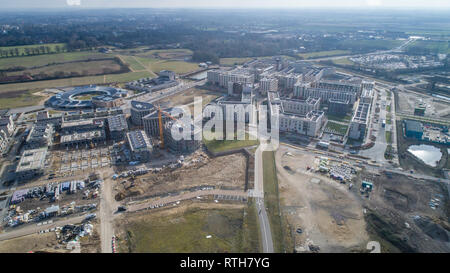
288, 81
306, 124
222, 78
301, 107
268, 85
360, 121
326, 92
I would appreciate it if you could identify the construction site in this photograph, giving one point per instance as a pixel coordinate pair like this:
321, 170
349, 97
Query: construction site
326, 214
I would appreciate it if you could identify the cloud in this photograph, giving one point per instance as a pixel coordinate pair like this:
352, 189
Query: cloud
374, 3
73, 2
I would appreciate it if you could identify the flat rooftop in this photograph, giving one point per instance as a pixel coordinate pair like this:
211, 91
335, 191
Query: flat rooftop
32, 160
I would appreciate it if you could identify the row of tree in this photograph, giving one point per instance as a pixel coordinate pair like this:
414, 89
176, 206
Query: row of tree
31, 51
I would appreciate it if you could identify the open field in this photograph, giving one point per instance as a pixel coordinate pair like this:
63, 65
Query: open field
318, 54
216, 146
41, 60
179, 53
77, 81
22, 52
368, 45
232, 227
331, 217
343, 61
23, 91
233, 61
442, 47
80, 68
48, 243
221, 172
34, 242
13, 99
187, 98
139, 63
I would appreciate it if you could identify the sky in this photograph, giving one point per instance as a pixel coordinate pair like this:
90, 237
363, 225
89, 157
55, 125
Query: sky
23, 4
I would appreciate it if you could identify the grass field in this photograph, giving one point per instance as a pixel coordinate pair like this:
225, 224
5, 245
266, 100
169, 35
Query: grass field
81, 68
369, 44
233, 61
167, 53
32, 61
323, 54
345, 118
231, 230
388, 137
138, 63
22, 51
272, 202
227, 145
442, 47
343, 61
337, 128
178, 67
16, 99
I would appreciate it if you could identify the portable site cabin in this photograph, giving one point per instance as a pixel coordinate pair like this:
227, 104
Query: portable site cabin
367, 185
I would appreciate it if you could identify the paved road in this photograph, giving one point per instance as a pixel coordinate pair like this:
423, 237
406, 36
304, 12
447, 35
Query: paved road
106, 215
31, 229
259, 197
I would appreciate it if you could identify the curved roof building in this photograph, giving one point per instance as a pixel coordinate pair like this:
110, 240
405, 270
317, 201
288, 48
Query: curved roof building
139, 110
81, 97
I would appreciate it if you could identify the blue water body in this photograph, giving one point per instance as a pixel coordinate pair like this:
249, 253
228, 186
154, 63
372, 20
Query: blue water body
430, 155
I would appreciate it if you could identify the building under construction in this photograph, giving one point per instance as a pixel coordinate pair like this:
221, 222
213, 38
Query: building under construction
185, 145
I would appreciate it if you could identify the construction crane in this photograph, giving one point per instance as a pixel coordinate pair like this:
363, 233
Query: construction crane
161, 130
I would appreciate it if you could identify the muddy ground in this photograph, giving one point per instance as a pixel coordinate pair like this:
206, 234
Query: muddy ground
227, 172
397, 213
330, 216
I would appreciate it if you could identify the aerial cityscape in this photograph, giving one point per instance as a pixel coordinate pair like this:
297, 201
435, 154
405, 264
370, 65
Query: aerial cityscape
224, 129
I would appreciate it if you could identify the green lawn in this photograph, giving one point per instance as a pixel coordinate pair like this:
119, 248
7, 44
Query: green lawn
337, 128
323, 54
18, 99
343, 61
272, 202
231, 230
178, 67
388, 137
442, 47
22, 52
40, 60
345, 118
227, 145
233, 61
39, 85
369, 45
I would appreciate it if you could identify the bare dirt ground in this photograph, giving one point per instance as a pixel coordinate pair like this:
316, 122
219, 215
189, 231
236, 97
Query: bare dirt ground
329, 215
227, 172
399, 212
187, 98
47, 242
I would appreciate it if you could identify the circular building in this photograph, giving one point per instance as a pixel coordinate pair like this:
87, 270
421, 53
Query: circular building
139, 110
87, 97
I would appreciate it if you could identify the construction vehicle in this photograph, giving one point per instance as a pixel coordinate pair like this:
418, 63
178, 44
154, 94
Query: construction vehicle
161, 129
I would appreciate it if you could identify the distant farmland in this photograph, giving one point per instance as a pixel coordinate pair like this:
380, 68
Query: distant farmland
31, 50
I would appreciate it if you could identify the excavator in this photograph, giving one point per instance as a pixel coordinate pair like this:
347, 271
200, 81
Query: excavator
161, 129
